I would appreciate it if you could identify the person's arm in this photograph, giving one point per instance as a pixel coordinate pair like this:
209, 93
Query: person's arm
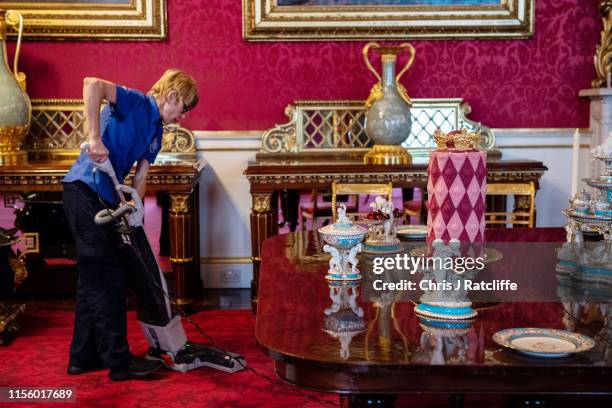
94, 92
140, 178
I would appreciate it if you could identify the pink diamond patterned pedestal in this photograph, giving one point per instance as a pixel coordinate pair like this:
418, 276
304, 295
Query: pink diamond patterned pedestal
457, 190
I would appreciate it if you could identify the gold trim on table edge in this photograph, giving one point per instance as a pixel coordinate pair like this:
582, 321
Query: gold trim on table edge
34, 180
322, 179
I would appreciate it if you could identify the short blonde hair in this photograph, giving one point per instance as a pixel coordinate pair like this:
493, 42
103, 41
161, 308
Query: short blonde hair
177, 80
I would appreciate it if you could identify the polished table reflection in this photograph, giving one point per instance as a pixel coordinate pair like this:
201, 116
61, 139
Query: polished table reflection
269, 175
389, 351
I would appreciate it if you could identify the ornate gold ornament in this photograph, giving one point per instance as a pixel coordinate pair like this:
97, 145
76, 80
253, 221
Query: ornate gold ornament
318, 127
282, 138
603, 52
179, 203
90, 19
388, 155
178, 140
8, 314
261, 202
388, 53
459, 140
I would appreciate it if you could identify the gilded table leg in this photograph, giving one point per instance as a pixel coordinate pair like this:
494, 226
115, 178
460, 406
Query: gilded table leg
521, 204
8, 316
263, 225
182, 233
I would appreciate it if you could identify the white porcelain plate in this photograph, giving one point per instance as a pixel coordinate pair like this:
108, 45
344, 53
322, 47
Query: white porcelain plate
549, 343
412, 231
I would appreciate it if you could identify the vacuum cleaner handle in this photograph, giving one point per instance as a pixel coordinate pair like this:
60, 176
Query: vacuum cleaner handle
108, 217
107, 167
135, 216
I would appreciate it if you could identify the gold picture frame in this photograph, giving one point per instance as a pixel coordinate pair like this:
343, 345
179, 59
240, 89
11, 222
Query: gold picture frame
315, 20
92, 19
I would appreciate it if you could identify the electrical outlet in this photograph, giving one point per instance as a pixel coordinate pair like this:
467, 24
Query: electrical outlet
230, 276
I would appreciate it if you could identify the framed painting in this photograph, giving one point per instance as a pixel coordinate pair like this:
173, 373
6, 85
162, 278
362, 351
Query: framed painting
304, 20
91, 19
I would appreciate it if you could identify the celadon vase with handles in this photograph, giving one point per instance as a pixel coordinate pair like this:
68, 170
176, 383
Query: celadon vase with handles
388, 122
15, 107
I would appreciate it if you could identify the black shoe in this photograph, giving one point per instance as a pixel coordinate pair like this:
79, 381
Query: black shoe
138, 368
75, 369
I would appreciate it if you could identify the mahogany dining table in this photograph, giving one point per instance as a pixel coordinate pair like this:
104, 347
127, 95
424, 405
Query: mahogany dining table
388, 352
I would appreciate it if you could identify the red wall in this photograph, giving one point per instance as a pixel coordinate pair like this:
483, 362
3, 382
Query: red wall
245, 86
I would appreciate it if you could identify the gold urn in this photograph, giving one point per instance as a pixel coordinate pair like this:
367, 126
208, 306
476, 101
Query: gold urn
15, 107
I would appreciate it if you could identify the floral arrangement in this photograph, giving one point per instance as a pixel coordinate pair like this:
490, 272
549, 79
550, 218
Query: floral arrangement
381, 209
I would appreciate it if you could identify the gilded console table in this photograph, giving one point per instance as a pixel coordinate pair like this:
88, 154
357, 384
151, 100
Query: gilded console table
324, 141
52, 144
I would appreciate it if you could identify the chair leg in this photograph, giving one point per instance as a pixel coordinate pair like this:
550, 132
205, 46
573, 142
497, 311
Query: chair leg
302, 221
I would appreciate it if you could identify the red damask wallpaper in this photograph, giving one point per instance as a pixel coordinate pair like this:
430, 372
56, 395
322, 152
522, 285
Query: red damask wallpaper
245, 86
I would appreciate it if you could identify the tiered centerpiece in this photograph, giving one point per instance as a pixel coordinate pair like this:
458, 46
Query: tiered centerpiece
590, 264
592, 214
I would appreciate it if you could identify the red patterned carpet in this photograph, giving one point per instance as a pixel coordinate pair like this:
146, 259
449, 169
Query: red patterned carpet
39, 354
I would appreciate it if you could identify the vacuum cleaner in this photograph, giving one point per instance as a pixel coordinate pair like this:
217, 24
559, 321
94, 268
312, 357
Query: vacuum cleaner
164, 330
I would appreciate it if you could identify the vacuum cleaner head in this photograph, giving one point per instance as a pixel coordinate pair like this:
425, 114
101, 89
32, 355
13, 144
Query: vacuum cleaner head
194, 355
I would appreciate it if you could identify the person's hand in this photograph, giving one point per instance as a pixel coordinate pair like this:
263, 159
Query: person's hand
96, 150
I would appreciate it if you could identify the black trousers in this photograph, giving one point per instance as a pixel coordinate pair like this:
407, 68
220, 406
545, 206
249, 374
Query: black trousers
100, 324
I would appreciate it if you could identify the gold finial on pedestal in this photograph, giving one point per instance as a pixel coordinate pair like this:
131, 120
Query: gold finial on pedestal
457, 139
603, 52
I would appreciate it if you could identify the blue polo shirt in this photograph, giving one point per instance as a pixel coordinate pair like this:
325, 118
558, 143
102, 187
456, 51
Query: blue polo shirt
131, 130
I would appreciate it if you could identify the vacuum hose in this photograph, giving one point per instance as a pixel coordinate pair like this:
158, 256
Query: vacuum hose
107, 217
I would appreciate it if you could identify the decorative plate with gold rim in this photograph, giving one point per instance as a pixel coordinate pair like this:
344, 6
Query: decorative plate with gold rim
550, 343
412, 232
